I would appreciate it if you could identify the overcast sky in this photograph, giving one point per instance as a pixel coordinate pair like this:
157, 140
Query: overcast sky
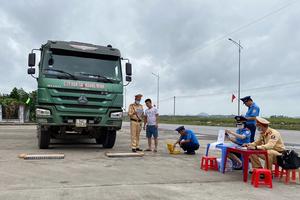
185, 41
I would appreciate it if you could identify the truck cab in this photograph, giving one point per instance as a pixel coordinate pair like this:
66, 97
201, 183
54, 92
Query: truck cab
80, 91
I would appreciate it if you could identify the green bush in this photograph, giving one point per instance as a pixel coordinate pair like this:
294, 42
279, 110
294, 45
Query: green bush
278, 122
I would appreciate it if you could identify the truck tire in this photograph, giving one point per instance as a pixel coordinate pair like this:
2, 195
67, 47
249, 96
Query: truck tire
100, 140
43, 138
109, 139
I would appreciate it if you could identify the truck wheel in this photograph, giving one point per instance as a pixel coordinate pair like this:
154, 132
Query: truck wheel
99, 140
110, 138
43, 138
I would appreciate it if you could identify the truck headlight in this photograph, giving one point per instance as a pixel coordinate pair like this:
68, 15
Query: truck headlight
42, 112
116, 115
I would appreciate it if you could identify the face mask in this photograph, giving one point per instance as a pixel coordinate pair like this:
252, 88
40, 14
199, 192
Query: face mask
240, 126
137, 101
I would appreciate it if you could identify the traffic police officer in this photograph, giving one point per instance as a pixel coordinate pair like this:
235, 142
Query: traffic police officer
269, 140
136, 113
252, 113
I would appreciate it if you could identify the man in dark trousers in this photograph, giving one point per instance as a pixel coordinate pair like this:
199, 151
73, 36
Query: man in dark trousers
187, 140
136, 114
252, 113
269, 140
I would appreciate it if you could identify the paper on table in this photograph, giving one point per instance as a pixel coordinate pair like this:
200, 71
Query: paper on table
221, 136
220, 140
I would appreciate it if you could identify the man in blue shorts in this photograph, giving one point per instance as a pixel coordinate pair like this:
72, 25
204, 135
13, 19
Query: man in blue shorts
187, 140
151, 120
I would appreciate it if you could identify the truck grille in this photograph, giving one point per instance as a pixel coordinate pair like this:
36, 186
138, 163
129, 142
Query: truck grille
67, 100
64, 90
76, 98
82, 106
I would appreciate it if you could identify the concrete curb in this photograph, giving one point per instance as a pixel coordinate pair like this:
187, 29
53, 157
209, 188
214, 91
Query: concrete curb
16, 124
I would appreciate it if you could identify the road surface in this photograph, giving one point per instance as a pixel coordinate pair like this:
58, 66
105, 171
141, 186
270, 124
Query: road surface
86, 173
290, 138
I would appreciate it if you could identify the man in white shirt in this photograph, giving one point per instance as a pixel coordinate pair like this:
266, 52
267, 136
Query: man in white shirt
151, 120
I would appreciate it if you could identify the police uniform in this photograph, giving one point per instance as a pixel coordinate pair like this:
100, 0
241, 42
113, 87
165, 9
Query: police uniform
135, 113
271, 141
244, 131
239, 141
253, 111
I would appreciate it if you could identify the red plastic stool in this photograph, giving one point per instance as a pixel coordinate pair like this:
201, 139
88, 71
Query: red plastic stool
287, 174
256, 177
209, 162
276, 171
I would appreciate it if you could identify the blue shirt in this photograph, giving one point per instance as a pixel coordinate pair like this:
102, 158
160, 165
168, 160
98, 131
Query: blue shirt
246, 132
190, 135
253, 111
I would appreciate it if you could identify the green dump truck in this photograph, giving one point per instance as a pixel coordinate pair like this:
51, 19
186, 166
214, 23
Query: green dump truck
80, 91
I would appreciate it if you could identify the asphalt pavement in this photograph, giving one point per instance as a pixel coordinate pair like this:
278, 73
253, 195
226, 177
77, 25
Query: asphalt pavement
86, 173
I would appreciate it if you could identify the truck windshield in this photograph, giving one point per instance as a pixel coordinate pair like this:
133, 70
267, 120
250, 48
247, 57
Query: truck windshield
83, 68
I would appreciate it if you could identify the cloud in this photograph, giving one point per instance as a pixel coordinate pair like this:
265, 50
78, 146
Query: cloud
183, 41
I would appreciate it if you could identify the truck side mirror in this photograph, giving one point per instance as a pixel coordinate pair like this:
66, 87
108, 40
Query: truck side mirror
31, 70
128, 69
128, 78
50, 61
31, 59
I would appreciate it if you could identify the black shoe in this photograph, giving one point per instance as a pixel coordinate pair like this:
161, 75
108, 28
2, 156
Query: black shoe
239, 168
190, 152
134, 150
138, 149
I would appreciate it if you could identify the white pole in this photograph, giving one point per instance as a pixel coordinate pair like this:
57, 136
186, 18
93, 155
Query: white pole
238, 44
157, 98
0, 113
21, 113
174, 106
158, 91
239, 88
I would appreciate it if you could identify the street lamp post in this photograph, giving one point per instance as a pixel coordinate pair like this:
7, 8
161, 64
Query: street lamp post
157, 76
238, 44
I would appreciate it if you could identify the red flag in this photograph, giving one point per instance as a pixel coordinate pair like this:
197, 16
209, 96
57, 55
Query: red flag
233, 98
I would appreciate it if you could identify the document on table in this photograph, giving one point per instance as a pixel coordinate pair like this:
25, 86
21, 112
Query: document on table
221, 136
220, 140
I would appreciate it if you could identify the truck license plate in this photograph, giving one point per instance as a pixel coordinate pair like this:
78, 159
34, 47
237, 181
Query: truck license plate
80, 123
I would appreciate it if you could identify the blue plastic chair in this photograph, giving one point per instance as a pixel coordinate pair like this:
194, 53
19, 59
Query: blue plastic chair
223, 148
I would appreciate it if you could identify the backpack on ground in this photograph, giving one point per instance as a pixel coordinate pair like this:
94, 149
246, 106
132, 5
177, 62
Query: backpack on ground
289, 160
